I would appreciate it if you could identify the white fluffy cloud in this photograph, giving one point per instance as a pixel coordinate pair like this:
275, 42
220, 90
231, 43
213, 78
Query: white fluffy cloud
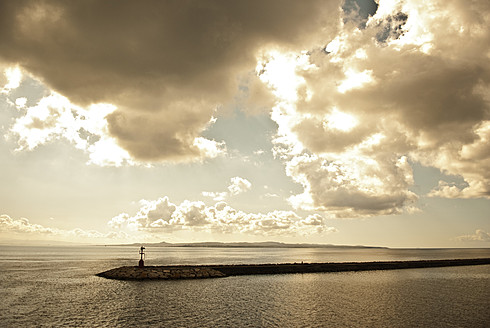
480, 235
54, 117
409, 85
237, 186
10, 79
217, 196
163, 216
23, 227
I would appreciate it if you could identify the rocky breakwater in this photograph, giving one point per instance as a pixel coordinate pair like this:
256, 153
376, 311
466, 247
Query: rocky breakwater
161, 272
216, 271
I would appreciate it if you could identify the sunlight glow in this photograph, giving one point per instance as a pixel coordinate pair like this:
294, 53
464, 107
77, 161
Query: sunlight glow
279, 71
372, 140
355, 80
333, 46
340, 121
14, 77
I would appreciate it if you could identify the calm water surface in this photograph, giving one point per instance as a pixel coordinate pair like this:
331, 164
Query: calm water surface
56, 287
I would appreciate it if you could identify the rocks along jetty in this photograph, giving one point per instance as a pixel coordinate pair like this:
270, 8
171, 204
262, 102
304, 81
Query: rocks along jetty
217, 271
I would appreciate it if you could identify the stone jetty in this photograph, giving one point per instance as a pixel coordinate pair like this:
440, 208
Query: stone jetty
218, 271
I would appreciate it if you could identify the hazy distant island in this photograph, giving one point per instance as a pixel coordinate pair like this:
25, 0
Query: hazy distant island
266, 244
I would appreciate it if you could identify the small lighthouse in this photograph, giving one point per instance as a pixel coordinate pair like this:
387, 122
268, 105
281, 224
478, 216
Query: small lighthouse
142, 254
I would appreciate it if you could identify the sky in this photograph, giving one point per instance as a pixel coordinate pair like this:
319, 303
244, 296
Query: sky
336, 122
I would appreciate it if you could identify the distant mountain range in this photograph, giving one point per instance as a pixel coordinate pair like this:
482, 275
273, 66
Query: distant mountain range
266, 244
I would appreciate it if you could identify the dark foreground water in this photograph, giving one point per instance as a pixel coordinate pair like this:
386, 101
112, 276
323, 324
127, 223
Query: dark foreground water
56, 287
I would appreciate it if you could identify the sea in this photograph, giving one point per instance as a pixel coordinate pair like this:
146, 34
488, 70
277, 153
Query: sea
53, 286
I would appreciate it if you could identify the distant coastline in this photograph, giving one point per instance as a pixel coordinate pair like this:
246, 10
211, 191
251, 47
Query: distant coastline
267, 244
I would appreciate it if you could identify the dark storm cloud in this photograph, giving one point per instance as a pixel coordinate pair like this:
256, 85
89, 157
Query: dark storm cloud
150, 58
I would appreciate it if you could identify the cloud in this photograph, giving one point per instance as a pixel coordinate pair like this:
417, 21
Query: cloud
23, 227
470, 160
162, 216
409, 85
54, 117
11, 79
357, 99
238, 185
218, 196
20, 102
166, 66
479, 235
352, 186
